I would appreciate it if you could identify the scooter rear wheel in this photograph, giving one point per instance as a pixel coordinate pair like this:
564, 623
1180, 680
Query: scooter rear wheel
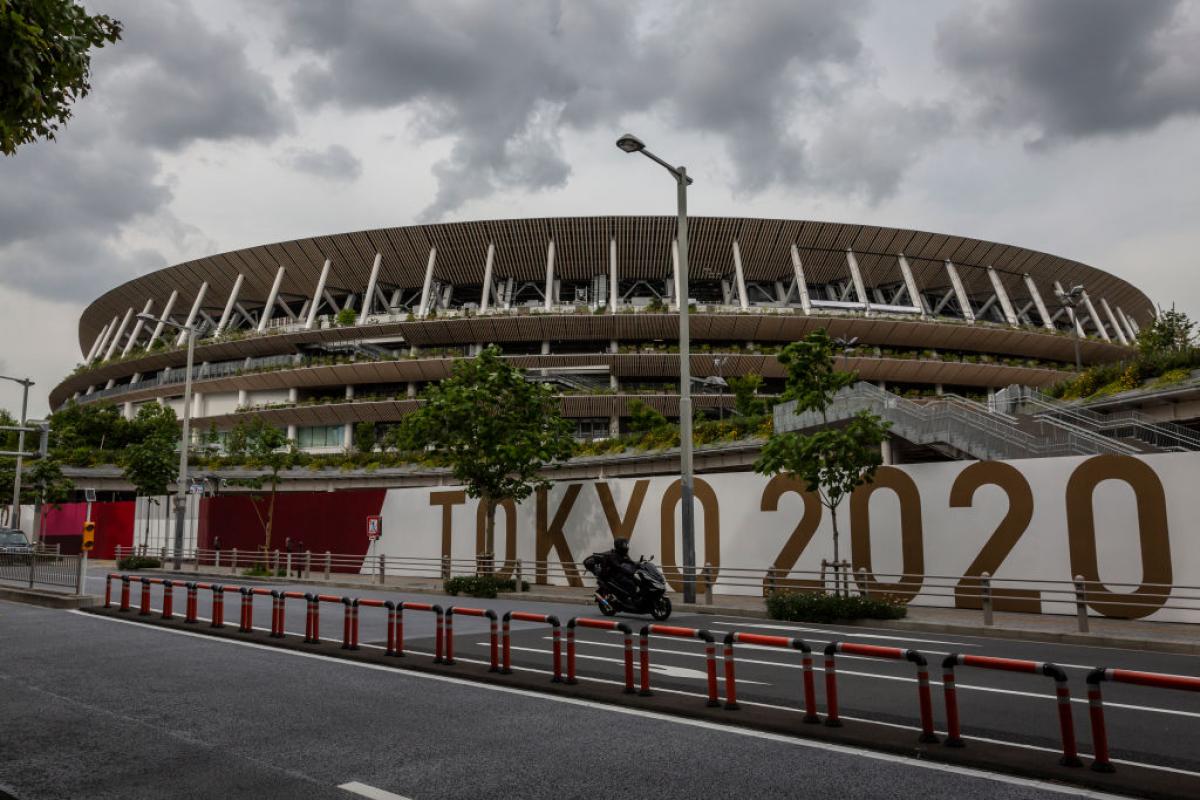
661, 609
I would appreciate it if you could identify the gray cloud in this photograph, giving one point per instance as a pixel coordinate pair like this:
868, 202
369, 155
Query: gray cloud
333, 163
1073, 69
502, 81
172, 80
66, 205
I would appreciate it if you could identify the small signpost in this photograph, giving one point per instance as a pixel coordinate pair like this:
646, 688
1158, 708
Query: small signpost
374, 527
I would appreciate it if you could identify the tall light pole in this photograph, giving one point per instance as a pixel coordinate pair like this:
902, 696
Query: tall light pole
846, 346
14, 519
718, 362
182, 482
631, 144
1069, 299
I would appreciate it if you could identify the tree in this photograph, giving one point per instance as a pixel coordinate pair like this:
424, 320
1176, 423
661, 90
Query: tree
832, 462
492, 428
643, 418
43, 483
746, 402
151, 461
269, 449
1170, 333
46, 65
364, 437
92, 426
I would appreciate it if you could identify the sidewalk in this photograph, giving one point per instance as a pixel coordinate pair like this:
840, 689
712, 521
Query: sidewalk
1166, 637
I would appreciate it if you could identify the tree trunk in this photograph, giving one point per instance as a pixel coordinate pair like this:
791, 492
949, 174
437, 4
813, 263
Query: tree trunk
489, 537
270, 518
837, 570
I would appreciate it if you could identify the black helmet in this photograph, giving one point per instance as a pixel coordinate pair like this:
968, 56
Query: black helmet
621, 547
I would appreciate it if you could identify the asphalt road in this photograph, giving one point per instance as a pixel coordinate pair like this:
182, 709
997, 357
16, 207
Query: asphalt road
93, 707
1146, 726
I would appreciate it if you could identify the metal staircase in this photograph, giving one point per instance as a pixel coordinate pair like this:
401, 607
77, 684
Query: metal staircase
959, 427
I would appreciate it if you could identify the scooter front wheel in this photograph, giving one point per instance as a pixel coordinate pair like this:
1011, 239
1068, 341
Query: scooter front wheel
661, 609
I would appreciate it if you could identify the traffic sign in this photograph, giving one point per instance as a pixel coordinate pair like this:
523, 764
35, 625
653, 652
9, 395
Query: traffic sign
374, 527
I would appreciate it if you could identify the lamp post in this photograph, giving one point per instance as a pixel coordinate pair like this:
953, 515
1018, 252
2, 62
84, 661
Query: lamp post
182, 482
631, 144
14, 519
846, 346
1069, 299
718, 363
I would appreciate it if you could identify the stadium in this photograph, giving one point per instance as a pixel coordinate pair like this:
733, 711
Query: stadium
316, 335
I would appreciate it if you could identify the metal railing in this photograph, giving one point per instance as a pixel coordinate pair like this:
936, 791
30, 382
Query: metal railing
43, 568
962, 424
983, 592
1119, 424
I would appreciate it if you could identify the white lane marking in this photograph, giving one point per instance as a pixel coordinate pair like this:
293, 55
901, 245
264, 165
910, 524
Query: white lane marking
658, 716
366, 790
828, 632
662, 669
902, 679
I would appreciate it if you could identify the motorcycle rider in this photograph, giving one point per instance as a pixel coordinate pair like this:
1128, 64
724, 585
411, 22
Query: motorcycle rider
617, 563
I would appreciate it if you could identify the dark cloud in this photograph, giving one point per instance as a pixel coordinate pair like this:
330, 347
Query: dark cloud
501, 81
67, 206
1072, 69
333, 163
172, 80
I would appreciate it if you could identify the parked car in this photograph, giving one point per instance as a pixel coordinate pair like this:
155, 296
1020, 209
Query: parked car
14, 541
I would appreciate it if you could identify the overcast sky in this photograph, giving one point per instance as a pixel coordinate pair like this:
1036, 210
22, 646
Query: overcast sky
1071, 126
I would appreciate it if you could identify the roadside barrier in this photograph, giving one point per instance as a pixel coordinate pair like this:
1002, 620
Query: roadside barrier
350, 624
604, 625
413, 606
108, 579
1070, 757
391, 621
246, 618
190, 607
525, 616
168, 604
314, 616
763, 640
924, 700
144, 610
124, 593
279, 612
469, 612
1155, 680
710, 655
218, 606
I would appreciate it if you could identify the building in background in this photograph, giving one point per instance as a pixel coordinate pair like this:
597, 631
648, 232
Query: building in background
318, 334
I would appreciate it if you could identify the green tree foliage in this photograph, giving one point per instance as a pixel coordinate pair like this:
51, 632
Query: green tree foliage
268, 449
492, 428
42, 483
644, 419
1169, 334
93, 426
45, 65
832, 462
346, 316
364, 437
746, 401
151, 460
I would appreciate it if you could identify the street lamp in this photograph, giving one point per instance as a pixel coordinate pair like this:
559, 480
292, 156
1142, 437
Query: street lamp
182, 482
631, 144
846, 346
718, 362
1069, 299
14, 518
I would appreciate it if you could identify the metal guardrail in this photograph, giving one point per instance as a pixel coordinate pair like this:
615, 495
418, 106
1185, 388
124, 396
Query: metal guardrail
981, 592
962, 424
43, 568
1121, 424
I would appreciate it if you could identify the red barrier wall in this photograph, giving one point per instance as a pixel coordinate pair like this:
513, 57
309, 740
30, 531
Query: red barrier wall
317, 521
114, 526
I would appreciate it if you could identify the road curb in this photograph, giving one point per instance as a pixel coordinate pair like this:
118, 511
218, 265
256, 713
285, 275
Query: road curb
992, 757
37, 597
1019, 634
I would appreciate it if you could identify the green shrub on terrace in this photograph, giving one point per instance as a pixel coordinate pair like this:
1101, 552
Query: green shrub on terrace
132, 563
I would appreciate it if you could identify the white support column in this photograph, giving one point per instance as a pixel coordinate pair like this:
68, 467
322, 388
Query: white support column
228, 312
138, 324
166, 314
961, 293
860, 288
998, 287
801, 283
272, 296
116, 340
316, 298
910, 283
1096, 321
1128, 328
1112, 319
423, 308
675, 273
1047, 323
243, 398
191, 317
740, 276
96, 344
1133, 323
485, 301
369, 297
550, 298
108, 336
614, 290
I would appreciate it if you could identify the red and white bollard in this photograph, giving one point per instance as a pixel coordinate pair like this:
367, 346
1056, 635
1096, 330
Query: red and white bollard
525, 616
604, 625
168, 609
189, 614
710, 655
218, 606
924, 700
144, 611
